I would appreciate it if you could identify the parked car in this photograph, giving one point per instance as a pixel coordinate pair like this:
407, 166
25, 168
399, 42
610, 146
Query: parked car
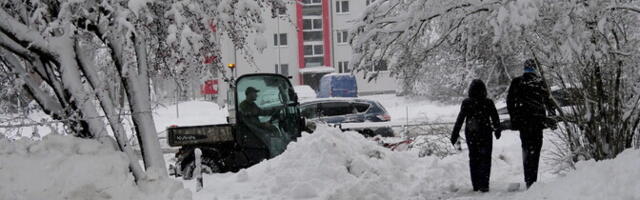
564, 97
336, 111
338, 85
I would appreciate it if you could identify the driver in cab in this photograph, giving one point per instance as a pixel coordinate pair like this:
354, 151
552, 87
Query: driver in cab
251, 111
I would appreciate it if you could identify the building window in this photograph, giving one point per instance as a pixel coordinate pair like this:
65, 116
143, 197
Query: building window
312, 10
311, 24
381, 66
369, 2
312, 36
313, 50
313, 61
280, 39
343, 67
342, 37
342, 6
282, 11
282, 69
311, 2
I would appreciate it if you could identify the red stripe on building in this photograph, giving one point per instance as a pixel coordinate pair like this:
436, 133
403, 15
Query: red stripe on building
326, 33
300, 39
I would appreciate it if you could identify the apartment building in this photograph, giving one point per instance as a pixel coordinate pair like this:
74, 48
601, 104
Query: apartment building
306, 42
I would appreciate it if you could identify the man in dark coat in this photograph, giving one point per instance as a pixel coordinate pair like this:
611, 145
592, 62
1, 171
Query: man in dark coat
527, 101
481, 118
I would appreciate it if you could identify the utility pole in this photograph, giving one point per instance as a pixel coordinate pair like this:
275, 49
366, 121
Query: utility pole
279, 68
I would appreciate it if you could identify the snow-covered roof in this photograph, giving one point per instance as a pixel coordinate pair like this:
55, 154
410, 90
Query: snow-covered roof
304, 92
342, 99
339, 74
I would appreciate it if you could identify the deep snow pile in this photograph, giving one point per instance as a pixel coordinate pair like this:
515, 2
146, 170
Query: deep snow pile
618, 178
65, 167
330, 164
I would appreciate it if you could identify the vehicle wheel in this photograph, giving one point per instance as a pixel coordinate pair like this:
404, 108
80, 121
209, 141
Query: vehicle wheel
384, 132
367, 133
209, 166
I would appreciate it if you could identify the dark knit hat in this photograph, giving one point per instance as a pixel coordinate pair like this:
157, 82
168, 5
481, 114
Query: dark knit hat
530, 65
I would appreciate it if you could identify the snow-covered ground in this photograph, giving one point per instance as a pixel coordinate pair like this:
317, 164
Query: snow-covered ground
327, 164
64, 167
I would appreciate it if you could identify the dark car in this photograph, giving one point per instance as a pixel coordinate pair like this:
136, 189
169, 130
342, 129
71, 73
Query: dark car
336, 111
566, 98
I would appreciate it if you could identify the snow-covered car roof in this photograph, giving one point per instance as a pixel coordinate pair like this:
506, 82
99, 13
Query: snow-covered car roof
304, 92
336, 99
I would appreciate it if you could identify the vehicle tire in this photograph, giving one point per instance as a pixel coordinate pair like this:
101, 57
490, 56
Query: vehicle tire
367, 133
209, 166
384, 132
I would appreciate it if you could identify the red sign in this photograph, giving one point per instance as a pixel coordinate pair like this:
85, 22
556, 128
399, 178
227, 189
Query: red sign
213, 27
210, 87
209, 59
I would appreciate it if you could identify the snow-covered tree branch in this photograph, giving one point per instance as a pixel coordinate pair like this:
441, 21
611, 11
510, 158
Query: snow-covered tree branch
439, 46
66, 53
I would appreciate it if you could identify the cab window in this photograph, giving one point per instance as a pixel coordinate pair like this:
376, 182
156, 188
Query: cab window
335, 109
274, 120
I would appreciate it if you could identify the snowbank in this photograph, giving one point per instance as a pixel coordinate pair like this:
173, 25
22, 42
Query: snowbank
618, 178
330, 164
65, 167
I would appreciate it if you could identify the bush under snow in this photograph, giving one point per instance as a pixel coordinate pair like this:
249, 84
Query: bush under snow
65, 167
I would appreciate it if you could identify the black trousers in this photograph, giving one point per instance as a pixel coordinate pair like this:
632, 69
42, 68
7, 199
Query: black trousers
480, 162
531, 139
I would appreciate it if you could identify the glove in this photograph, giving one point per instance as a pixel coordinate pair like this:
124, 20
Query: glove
515, 124
454, 140
550, 122
497, 133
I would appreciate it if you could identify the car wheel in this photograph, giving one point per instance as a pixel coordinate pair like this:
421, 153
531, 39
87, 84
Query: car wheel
209, 166
385, 132
367, 133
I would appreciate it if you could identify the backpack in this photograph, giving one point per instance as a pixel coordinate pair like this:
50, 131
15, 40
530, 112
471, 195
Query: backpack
477, 117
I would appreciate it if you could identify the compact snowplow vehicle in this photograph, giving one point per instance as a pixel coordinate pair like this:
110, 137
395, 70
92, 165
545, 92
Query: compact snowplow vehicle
264, 117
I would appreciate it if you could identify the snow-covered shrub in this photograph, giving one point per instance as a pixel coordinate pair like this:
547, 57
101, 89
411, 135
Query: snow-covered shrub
87, 61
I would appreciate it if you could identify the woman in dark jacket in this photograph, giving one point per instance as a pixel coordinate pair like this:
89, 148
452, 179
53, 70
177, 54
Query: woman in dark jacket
481, 118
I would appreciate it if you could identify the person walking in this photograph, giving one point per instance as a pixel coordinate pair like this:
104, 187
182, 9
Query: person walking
482, 119
527, 101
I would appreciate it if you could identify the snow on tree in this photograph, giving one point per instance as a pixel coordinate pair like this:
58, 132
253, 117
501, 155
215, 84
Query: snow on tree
590, 44
71, 56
